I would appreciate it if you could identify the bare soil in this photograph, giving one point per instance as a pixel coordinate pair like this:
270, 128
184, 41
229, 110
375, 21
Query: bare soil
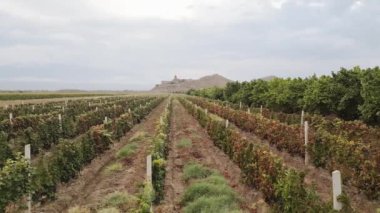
93, 184
203, 151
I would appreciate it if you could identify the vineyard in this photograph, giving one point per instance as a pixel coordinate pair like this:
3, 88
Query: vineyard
183, 154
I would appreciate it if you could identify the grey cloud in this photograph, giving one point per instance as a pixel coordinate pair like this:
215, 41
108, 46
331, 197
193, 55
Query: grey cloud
88, 50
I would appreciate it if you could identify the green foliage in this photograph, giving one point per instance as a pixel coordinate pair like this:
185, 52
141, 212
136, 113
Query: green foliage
343, 198
5, 151
213, 92
370, 110
158, 178
321, 96
348, 83
230, 89
293, 196
65, 161
146, 198
350, 94
14, 181
285, 94
159, 154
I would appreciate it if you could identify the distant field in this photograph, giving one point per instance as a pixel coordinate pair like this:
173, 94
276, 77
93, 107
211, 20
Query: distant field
27, 96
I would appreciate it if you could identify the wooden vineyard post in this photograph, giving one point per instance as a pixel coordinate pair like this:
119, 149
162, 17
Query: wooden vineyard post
206, 111
249, 110
337, 189
302, 121
96, 109
129, 110
149, 168
28, 158
240, 105
63, 108
306, 142
149, 174
261, 111
227, 123
11, 118
105, 120
60, 122
33, 108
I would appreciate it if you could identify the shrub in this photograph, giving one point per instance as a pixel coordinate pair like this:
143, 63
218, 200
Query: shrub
14, 182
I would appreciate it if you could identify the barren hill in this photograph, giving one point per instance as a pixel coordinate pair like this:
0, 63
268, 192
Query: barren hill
183, 85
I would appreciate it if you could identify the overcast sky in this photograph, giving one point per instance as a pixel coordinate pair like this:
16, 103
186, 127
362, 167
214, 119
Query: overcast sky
134, 44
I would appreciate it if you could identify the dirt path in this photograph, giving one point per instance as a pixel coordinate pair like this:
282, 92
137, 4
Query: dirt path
94, 184
203, 151
318, 177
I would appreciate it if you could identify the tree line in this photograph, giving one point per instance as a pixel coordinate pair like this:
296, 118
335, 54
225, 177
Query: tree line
348, 93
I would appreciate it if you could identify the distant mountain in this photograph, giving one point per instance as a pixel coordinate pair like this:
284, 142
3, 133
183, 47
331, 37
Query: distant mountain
183, 85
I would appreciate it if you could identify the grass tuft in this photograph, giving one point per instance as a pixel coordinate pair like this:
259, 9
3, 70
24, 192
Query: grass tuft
120, 200
138, 136
215, 179
115, 167
184, 143
127, 150
209, 192
78, 209
216, 204
200, 189
109, 210
195, 171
